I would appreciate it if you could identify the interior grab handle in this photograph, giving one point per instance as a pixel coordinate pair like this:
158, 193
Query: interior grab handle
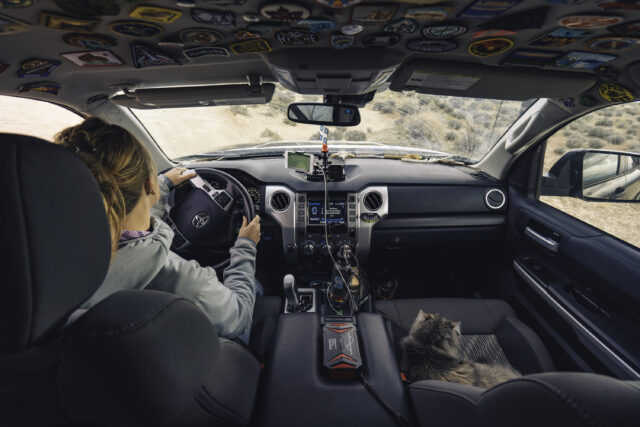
545, 242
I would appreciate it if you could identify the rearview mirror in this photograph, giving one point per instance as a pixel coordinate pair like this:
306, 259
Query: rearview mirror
324, 114
595, 175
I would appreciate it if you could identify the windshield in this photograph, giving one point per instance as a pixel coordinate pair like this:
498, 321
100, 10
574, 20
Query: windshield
465, 127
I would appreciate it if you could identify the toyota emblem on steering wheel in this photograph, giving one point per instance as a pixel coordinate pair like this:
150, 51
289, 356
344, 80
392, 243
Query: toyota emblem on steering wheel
200, 220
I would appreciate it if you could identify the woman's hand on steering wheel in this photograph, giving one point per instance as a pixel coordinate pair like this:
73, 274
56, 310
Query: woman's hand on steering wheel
179, 175
251, 230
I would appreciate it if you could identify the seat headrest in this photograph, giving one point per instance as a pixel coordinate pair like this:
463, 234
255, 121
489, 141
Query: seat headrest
55, 239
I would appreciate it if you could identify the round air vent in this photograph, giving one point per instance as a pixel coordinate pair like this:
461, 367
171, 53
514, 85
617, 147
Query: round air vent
495, 199
280, 201
372, 201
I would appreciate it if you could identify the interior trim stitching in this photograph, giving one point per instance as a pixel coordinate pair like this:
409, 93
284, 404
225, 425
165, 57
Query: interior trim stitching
447, 392
133, 325
584, 414
203, 390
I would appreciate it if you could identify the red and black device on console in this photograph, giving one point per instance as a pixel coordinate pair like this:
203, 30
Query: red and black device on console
341, 348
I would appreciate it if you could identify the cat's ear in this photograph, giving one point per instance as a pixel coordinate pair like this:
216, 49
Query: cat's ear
422, 315
457, 328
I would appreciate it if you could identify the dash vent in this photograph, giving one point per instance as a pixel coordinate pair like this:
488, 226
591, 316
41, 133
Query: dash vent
481, 176
280, 201
373, 201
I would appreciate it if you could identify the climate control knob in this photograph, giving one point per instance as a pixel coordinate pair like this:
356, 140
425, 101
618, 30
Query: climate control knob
344, 247
326, 249
308, 248
291, 248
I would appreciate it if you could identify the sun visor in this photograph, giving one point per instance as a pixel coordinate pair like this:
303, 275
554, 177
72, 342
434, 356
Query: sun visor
196, 96
483, 81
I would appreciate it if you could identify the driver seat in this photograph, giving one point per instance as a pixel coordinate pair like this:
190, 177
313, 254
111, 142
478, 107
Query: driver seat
137, 358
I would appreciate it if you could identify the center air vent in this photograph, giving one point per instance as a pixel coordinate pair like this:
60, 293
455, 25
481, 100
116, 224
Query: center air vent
372, 201
280, 201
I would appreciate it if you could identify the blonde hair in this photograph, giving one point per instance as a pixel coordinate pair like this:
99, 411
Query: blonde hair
121, 165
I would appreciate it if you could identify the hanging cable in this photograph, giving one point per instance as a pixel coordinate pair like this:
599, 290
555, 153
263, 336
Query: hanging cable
326, 241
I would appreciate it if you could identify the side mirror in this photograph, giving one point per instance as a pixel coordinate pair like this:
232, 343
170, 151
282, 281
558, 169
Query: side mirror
324, 114
595, 175
611, 176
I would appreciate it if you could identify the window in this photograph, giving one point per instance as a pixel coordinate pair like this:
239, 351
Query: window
466, 127
34, 118
592, 171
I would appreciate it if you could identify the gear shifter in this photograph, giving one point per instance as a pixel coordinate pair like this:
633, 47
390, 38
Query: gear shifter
290, 293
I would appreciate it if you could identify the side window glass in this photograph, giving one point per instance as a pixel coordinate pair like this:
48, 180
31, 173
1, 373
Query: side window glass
34, 118
592, 171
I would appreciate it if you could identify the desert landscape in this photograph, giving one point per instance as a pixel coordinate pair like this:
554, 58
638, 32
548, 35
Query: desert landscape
460, 126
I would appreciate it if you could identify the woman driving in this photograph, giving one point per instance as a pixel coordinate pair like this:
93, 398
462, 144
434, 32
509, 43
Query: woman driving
141, 257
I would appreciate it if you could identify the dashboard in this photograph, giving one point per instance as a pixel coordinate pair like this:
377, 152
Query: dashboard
381, 204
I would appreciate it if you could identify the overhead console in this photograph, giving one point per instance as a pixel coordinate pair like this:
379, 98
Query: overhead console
325, 71
485, 81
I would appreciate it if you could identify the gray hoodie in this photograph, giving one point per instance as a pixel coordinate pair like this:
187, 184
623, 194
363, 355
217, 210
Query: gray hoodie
148, 263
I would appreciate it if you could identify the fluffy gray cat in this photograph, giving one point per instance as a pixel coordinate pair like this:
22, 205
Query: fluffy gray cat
431, 351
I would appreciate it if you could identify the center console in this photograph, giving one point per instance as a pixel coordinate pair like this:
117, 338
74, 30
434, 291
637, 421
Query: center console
351, 216
296, 372
310, 223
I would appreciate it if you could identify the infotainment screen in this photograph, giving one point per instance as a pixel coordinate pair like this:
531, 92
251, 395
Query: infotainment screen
336, 212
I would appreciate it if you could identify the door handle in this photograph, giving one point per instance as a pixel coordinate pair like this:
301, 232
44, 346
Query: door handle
545, 242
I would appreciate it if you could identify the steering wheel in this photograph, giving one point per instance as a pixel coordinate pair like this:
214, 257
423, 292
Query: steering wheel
203, 216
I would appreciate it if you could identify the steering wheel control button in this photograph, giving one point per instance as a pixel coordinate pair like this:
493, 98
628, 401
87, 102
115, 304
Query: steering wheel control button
200, 220
223, 199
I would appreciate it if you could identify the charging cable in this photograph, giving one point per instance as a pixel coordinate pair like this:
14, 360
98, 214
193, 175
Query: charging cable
326, 241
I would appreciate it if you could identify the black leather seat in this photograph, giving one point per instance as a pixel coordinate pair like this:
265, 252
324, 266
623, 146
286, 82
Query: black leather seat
567, 399
136, 358
490, 330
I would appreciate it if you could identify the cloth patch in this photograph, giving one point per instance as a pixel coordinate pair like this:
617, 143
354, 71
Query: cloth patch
483, 349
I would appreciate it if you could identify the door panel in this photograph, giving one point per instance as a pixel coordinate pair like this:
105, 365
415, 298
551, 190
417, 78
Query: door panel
584, 283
